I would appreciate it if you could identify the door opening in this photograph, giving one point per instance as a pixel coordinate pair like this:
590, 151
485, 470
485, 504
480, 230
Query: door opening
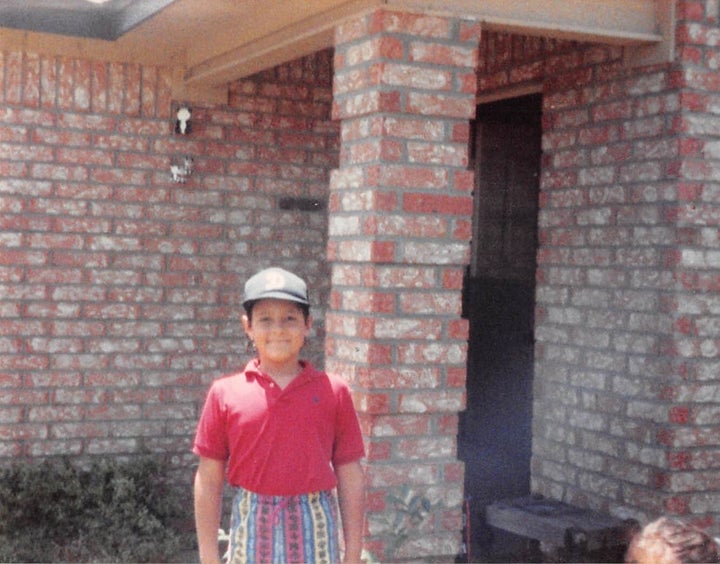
499, 301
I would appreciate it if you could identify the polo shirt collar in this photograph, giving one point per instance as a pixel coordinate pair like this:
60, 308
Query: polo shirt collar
252, 370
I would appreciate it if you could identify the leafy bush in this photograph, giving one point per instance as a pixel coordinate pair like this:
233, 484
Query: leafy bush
110, 512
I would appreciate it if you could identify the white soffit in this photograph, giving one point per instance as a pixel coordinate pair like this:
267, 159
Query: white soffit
643, 27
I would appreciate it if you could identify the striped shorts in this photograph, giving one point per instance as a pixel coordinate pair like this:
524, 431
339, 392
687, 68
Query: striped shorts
279, 529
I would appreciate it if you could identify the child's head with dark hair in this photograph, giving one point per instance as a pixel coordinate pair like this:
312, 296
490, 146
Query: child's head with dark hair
248, 307
276, 283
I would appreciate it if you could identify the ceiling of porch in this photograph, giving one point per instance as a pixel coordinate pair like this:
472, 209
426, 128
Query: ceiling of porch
214, 42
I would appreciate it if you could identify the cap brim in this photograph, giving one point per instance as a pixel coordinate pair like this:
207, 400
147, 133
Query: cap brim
277, 296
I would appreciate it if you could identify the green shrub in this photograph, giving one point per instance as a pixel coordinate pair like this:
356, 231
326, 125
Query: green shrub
110, 512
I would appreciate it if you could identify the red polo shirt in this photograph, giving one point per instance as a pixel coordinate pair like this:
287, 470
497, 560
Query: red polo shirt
280, 441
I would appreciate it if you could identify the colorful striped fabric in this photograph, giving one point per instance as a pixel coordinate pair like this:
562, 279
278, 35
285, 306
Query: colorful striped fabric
278, 529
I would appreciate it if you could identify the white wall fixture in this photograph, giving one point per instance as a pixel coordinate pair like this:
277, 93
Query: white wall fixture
182, 123
181, 168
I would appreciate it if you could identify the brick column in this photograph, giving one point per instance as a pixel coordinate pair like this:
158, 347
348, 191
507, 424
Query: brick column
399, 230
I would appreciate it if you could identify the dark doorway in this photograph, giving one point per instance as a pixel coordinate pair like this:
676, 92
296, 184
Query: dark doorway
499, 302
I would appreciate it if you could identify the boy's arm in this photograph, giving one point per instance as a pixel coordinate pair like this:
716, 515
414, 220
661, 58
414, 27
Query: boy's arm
351, 498
208, 488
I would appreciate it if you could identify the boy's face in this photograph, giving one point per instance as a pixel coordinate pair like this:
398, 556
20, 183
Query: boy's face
278, 328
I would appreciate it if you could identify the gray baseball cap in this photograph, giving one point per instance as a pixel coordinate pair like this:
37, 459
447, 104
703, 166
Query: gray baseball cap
275, 283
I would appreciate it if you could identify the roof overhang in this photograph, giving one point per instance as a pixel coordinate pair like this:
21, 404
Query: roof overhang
211, 43
99, 19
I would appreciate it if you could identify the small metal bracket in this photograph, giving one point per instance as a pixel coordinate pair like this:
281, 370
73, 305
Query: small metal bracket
301, 204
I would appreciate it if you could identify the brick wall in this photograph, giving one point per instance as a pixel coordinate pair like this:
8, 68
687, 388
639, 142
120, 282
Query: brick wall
692, 432
400, 222
119, 288
626, 358
605, 285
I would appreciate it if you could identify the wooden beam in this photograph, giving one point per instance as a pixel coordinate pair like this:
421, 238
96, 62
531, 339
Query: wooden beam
607, 21
265, 53
198, 93
300, 38
644, 26
654, 53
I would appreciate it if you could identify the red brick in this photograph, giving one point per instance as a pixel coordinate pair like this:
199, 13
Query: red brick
441, 105
410, 76
81, 85
48, 82
54, 448
436, 153
371, 402
415, 177
111, 446
13, 77
23, 432
54, 414
408, 23
456, 377
426, 448
676, 505
401, 474
431, 203
432, 402
443, 54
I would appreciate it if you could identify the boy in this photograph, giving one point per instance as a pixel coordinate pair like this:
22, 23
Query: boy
285, 435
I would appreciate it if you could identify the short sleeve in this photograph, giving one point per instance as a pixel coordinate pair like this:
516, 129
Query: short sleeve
211, 433
349, 445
